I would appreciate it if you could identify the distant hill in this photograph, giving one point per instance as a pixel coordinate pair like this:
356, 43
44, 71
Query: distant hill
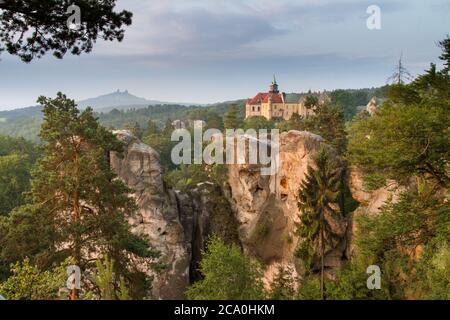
118, 100
26, 122
27, 112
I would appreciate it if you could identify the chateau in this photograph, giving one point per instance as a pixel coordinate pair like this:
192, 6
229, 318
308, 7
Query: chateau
274, 104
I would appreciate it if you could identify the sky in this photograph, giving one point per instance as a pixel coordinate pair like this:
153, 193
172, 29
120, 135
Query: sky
206, 51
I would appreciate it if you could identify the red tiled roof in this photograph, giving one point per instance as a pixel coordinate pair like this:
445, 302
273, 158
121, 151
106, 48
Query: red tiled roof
264, 98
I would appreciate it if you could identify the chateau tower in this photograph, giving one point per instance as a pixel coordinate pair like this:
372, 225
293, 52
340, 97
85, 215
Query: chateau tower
274, 86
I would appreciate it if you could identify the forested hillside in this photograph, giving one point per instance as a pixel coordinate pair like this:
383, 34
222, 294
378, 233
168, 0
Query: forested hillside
26, 122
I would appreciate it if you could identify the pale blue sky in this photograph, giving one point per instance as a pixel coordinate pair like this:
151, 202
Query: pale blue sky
214, 50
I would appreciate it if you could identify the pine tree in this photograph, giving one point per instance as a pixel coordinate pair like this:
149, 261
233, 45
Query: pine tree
311, 102
134, 128
77, 193
168, 128
445, 56
328, 122
231, 119
318, 196
105, 278
152, 128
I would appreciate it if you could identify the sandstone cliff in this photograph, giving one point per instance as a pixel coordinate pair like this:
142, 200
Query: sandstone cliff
260, 214
371, 201
266, 206
158, 216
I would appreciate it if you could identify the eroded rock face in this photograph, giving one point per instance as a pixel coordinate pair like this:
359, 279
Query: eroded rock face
264, 211
266, 206
159, 216
371, 201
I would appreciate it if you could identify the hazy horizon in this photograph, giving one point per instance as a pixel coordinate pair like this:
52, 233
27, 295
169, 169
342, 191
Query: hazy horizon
206, 52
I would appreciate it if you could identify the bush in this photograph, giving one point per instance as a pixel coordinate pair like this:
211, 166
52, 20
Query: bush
309, 288
228, 275
28, 282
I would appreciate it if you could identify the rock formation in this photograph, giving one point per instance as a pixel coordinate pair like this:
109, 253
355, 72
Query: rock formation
176, 223
371, 201
266, 206
158, 216
260, 214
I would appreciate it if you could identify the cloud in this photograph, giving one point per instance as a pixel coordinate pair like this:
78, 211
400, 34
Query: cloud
168, 29
204, 29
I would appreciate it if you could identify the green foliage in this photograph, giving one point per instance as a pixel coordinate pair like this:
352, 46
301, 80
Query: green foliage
437, 278
318, 196
401, 140
212, 118
261, 231
231, 119
407, 140
76, 200
296, 122
99, 21
257, 123
415, 218
14, 181
20, 146
134, 128
228, 275
16, 158
28, 282
349, 100
328, 122
105, 278
404, 239
351, 284
106, 281
24, 233
409, 134
311, 102
283, 285
26, 127
26, 122
123, 292
445, 56
152, 128
186, 177
309, 288
163, 145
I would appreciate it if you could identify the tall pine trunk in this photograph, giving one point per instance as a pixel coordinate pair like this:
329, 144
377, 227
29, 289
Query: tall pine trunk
322, 251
